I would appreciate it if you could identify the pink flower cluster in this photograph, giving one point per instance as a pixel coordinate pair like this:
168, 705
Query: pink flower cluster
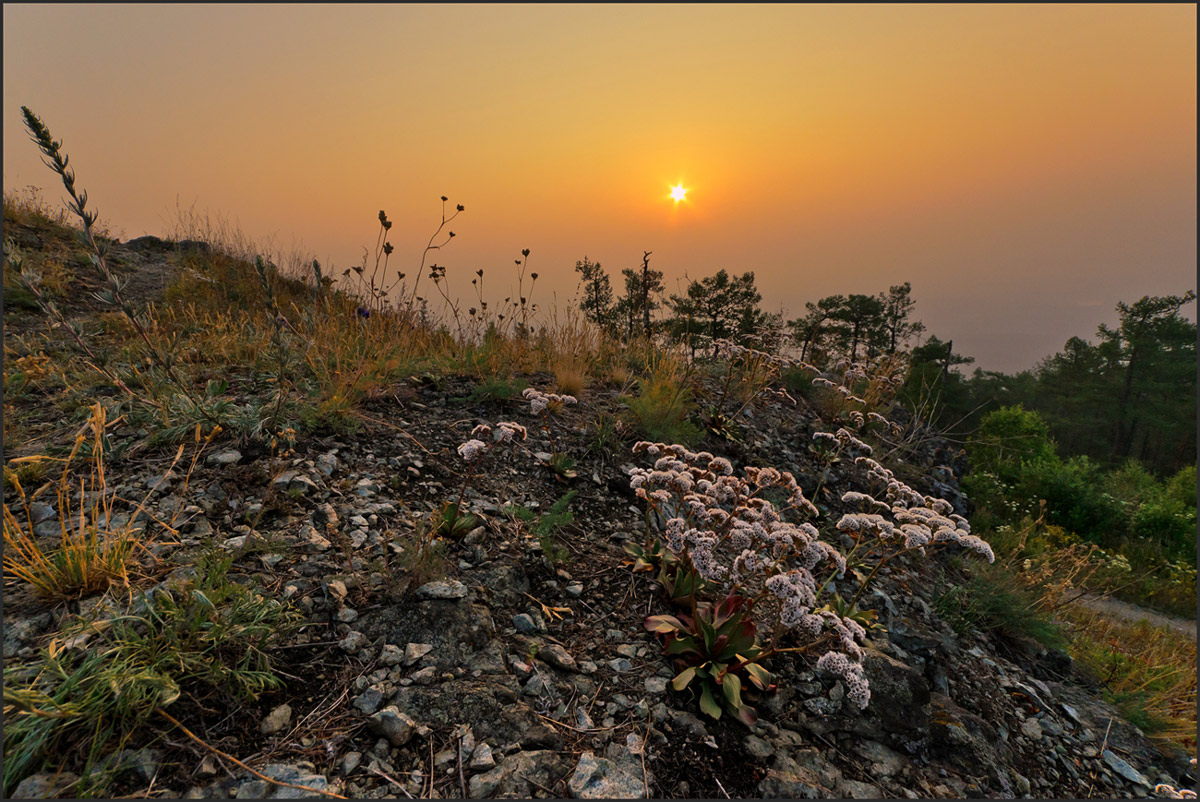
918, 518
735, 537
539, 402
502, 432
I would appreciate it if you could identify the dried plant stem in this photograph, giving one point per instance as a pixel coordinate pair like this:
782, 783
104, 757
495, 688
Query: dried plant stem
239, 763
57, 162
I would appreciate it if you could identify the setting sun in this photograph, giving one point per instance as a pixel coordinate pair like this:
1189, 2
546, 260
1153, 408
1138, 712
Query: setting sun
678, 192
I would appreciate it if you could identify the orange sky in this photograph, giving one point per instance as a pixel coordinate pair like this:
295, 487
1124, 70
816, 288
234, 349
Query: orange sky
1025, 167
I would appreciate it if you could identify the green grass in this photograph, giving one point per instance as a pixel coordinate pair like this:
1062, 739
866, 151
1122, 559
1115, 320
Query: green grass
993, 600
205, 640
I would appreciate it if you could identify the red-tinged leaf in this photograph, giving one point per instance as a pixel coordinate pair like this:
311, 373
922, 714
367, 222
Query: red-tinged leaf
681, 681
663, 623
747, 715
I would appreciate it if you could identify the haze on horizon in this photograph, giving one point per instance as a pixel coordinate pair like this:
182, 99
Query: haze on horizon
1025, 167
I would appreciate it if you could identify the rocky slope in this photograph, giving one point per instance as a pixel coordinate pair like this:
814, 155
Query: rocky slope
503, 673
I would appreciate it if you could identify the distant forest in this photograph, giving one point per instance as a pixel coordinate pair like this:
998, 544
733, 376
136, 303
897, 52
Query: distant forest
1131, 394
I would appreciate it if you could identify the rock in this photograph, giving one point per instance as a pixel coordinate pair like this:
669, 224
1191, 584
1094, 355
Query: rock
574, 589
1124, 769
415, 651
482, 758
390, 655
885, 762
441, 589
1031, 729
40, 511
853, 789
312, 537
369, 700
301, 774
229, 456
655, 685
620, 665
757, 747
276, 720
353, 641
346, 615
525, 624
558, 657
397, 727
337, 589
483, 786
350, 762
541, 737
327, 463
44, 786
523, 774
599, 778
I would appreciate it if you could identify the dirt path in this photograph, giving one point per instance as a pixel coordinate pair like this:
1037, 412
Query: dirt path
1131, 612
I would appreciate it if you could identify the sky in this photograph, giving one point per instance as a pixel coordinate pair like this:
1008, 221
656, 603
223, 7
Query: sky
1025, 167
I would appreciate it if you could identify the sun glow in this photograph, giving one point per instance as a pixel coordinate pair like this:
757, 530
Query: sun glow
678, 192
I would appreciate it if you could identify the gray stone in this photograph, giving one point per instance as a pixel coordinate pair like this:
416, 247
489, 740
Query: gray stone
574, 589
353, 642
620, 665
415, 651
853, 789
451, 590
483, 786
369, 700
390, 655
276, 720
347, 615
757, 746
1124, 769
885, 762
350, 762
227, 457
482, 758
1031, 729
525, 624
655, 685
600, 778
397, 727
44, 786
40, 511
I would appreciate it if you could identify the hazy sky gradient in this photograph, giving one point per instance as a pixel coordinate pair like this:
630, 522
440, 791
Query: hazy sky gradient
1025, 167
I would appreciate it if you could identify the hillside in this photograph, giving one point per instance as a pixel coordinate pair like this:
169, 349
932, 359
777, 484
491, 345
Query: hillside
301, 592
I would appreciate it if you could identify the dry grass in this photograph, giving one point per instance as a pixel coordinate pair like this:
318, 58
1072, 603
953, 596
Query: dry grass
1148, 672
93, 552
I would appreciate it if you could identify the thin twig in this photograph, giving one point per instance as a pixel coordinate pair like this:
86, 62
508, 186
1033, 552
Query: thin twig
727, 796
462, 783
394, 782
239, 763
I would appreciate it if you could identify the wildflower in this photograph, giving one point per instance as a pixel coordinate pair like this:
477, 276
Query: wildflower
363, 312
472, 450
507, 430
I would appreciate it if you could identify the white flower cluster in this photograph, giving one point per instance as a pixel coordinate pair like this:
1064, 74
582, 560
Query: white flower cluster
502, 432
857, 690
733, 536
846, 439
727, 349
539, 401
920, 519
